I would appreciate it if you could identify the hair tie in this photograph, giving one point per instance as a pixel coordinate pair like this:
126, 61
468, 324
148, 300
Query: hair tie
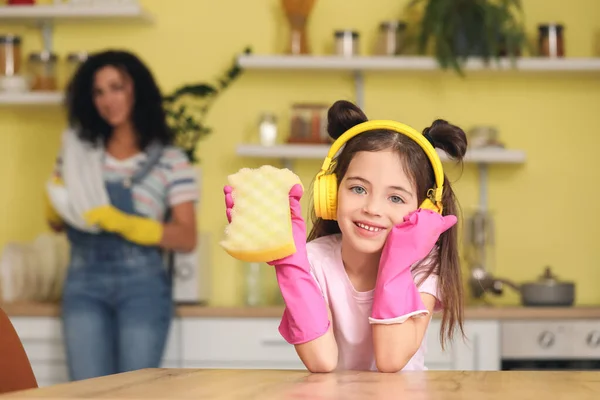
429, 138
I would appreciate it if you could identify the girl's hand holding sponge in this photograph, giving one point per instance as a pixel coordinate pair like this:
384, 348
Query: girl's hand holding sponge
266, 225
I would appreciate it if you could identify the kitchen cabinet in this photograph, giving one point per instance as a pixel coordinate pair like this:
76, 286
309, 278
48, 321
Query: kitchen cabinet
246, 343
43, 343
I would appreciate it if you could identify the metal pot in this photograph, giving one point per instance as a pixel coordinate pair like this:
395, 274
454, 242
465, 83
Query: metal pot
547, 291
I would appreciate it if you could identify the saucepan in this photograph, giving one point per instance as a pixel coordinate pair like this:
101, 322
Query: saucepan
547, 291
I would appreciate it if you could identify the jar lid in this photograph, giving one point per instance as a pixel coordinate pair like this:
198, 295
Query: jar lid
397, 25
42, 56
77, 56
14, 39
545, 27
346, 33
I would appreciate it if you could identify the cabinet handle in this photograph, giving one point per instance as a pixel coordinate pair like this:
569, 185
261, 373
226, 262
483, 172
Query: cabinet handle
593, 339
546, 339
274, 342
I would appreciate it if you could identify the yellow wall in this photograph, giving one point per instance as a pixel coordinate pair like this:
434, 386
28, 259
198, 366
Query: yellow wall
546, 210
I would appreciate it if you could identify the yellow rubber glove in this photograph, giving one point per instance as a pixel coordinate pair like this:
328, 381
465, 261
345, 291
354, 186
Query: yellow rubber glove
140, 230
53, 218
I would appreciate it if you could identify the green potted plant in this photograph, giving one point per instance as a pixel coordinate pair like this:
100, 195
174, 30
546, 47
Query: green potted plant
460, 29
187, 106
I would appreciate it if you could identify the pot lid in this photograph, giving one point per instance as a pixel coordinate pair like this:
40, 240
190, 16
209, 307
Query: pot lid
548, 277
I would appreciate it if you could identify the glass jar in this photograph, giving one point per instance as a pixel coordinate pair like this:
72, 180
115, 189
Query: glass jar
42, 68
268, 129
346, 43
10, 55
391, 38
550, 40
74, 60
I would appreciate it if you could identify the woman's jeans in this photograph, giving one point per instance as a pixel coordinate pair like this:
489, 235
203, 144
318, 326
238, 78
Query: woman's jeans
117, 307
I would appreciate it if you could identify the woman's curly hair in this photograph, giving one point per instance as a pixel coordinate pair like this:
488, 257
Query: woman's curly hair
148, 114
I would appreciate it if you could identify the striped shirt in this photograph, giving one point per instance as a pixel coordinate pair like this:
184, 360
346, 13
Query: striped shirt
172, 181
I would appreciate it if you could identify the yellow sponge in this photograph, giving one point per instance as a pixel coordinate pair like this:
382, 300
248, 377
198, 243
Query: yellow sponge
260, 228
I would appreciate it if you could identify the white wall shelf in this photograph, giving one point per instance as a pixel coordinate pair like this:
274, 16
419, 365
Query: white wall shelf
31, 98
71, 12
319, 151
410, 63
46, 16
359, 65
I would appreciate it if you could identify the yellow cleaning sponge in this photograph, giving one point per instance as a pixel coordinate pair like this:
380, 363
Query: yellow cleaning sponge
260, 228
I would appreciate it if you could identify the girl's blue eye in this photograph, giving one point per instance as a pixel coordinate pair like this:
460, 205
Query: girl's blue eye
358, 190
396, 199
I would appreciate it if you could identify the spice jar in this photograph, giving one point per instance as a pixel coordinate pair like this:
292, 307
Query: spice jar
391, 38
550, 40
10, 55
346, 43
74, 60
42, 67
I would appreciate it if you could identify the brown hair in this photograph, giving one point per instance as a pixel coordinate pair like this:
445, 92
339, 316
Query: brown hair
342, 116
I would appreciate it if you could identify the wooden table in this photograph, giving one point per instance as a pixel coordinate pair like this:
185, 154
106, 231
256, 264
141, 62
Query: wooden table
200, 384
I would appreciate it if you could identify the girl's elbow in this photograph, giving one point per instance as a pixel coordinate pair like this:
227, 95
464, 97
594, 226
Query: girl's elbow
321, 366
390, 366
392, 363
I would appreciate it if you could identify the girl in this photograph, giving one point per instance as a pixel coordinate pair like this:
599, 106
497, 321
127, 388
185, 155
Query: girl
117, 304
360, 294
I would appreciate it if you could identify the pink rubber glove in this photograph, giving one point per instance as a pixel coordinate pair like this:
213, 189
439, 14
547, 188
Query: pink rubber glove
396, 297
305, 317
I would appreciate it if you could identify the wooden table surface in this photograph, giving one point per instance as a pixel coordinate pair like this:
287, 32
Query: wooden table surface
201, 384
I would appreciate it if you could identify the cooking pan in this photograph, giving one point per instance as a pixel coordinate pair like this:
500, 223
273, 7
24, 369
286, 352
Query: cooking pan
548, 291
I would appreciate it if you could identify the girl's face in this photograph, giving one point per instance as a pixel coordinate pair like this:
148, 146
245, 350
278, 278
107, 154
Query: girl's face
374, 196
113, 96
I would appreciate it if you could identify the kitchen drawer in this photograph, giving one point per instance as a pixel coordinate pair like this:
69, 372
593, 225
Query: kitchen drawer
229, 341
586, 339
438, 366
246, 364
173, 346
44, 350
537, 339
38, 328
42, 339
55, 372
435, 355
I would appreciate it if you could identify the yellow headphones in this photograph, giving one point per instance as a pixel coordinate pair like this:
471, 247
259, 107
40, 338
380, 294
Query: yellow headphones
325, 187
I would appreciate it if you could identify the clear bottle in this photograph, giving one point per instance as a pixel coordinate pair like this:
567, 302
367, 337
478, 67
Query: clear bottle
254, 284
268, 129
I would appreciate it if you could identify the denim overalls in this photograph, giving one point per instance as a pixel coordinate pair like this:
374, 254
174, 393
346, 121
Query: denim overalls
117, 305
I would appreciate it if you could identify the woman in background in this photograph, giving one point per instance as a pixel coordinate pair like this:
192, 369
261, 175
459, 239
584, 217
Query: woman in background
117, 304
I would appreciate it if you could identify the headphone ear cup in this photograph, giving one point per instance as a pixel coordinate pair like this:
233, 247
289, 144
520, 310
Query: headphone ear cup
325, 196
330, 182
317, 195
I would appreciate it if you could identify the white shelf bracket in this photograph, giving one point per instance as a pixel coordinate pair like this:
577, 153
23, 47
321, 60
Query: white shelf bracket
483, 187
359, 87
47, 28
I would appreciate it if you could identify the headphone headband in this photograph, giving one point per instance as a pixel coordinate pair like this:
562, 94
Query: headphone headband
434, 194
